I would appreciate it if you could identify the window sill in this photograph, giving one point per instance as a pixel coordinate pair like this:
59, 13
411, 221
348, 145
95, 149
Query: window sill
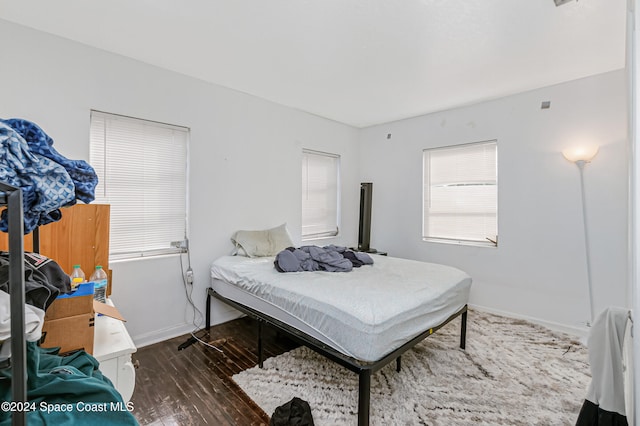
486, 244
316, 238
123, 259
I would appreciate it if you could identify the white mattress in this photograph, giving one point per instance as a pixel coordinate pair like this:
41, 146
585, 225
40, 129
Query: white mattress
365, 313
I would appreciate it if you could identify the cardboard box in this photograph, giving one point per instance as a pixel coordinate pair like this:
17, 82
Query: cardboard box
79, 302
107, 310
70, 333
69, 321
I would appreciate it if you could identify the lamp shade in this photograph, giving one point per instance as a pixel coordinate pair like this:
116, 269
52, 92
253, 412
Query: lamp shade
580, 153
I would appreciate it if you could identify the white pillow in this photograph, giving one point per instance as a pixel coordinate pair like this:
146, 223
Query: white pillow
262, 243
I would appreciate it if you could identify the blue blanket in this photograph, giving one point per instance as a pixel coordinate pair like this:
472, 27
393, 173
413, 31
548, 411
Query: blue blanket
313, 258
81, 173
47, 179
46, 185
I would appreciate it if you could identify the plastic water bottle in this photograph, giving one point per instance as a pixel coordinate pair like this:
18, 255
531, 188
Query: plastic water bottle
99, 279
77, 277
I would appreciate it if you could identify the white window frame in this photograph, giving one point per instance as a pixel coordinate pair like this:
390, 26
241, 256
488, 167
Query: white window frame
460, 194
142, 169
320, 195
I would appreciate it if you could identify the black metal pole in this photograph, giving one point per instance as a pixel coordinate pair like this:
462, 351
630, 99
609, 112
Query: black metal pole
16, 286
463, 330
207, 324
36, 240
364, 397
260, 343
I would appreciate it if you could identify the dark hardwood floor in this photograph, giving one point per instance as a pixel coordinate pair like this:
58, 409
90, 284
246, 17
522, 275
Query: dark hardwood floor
194, 386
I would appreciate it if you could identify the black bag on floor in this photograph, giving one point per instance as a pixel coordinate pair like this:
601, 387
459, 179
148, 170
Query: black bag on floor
294, 413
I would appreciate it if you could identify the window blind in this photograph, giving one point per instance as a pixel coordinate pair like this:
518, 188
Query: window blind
320, 194
142, 171
461, 192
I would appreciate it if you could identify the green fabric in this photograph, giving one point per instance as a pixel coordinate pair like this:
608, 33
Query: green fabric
67, 390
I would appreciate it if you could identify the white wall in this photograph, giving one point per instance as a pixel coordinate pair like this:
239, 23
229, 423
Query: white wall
539, 269
245, 166
245, 158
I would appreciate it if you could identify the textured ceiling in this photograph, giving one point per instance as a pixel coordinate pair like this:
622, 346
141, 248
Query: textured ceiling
360, 62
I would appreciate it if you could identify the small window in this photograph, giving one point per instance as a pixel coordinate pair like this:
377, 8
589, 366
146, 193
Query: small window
142, 170
461, 194
320, 194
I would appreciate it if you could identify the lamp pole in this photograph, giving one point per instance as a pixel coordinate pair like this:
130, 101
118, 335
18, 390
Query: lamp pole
581, 164
581, 155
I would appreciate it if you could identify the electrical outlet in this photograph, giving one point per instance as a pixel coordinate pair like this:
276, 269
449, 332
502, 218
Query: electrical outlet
190, 276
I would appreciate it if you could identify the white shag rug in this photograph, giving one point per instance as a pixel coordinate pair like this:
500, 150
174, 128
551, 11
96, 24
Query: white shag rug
512, 373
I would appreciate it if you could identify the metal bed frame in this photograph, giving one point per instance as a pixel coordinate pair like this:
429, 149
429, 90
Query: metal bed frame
363, 369
11, 197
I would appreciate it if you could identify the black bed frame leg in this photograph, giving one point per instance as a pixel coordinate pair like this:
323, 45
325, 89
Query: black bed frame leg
207, 325
399, 364
463, 330
259, 343
364, 397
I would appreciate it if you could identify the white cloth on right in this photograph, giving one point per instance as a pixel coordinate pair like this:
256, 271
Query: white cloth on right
606, 353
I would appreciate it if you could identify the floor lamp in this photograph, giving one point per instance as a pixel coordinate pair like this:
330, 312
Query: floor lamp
581, 156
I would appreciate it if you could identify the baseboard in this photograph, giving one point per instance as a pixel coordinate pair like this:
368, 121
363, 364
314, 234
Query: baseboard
578, 332
156, 336
226, 316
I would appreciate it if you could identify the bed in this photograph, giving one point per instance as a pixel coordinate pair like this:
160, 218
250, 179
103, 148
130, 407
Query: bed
363, 319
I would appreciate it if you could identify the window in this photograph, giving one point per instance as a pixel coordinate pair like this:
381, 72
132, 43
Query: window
320, 194
461, 193
142, 171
